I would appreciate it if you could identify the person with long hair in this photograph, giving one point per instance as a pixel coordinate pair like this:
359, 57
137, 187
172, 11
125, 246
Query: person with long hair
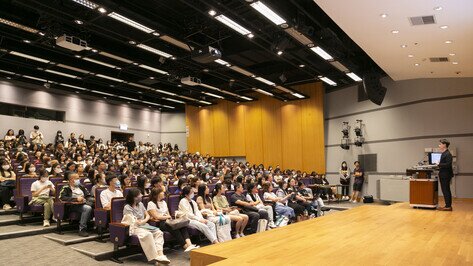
221, 204
281, 202
345, 176
151, 241
159, 212
7, 183
253, 196
188, 208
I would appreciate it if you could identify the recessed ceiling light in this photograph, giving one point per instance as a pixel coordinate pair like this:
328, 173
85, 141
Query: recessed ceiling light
444, 27
394, 31
77, 91
102, 10
105, 97
206, 70
251, 35
416, 64
156, 33
452, 54
404, 45
80, 22
41, 33
455, 63
135, 63
301, 65
151, 77
280, 52
179, 85
438, 8
94, 50
212, 13
384, 15
448, 41
132, 42
26, 41
173, 58
410, 55
77, 56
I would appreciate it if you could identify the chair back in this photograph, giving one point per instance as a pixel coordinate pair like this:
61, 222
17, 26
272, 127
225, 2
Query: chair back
172, 190
145, 201
24, 186
59, 186
98, 202
211, 188
88, 186
229, 194
126, 190
173, 204
116, 210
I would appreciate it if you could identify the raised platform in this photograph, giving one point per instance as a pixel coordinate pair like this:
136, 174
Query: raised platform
366, 235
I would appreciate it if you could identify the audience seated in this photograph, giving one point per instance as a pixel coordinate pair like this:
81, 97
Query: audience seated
280, 202
248, 208
7, 183
221, 204
151, 238
253, 197
41, 191
188, 208
113, 191
159, 212
206, 207
79, 199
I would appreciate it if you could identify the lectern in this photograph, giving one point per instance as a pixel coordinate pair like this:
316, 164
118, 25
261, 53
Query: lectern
423, 190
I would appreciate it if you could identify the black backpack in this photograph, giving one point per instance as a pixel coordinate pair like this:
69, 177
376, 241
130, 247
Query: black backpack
368, 199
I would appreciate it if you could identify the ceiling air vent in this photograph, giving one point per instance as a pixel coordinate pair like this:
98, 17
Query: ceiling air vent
438, 59
422, 20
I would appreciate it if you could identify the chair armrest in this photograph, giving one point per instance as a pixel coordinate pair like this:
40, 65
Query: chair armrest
21, 203
101, 217
119, 233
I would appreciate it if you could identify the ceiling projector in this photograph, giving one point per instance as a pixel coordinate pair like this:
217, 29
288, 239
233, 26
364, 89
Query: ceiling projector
71, 43
191, 81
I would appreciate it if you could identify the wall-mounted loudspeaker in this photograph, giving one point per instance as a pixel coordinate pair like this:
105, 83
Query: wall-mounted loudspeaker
373, 88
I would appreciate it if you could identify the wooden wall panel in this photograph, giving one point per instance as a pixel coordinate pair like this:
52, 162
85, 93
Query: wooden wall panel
206, 131
236, 129
266, 131
271, 131
254, 133
220, 129
291, 136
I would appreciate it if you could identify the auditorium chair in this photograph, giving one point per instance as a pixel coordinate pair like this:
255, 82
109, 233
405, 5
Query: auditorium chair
101, 215
172, 190
211, 188
173, 205
126, 190
61, 209
23, 196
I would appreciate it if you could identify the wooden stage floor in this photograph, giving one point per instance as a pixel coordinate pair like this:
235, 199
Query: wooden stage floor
365, 235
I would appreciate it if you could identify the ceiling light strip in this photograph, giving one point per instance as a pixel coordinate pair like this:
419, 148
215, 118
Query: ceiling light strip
354, 76
86, 3
265, 81
154, 69
154, 50
116, 57
264, 92
130, 22
17, 25
29, 57
328, 81
232, 24
99, 62
110, 78
268, 13
62, 74
73, 68
214, 95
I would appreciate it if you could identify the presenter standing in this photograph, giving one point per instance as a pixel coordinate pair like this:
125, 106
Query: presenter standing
445, 174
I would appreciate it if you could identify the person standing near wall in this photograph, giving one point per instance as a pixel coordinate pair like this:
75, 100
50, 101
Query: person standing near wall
445, 174
359, 179
131, 144
345, 175
36, 137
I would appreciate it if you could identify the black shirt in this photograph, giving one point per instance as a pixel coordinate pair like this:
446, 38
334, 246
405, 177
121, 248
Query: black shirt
131, 145
361, 178
445, 165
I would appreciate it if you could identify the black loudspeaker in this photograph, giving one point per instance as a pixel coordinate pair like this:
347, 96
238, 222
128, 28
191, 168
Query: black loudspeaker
373, 88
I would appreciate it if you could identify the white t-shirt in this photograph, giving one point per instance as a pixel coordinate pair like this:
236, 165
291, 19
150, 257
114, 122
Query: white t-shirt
257, 197
107, 195
37, 185
76, 192
162, 210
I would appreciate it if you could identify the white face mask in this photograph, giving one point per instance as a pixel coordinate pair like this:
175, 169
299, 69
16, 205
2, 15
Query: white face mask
191, 195
5, 167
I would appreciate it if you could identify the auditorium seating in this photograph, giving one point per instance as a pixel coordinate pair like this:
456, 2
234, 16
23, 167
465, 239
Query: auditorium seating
101, 215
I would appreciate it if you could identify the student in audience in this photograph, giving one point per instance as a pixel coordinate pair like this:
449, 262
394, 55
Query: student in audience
80, 170
7, 183
78, 195
144, 184
253, 197
100, 181
345, 175
125, 181
157, 182
72, 141
221, 204
359, 175
248, 208
206, 207
36, 137
131, 144
10, 138
113, 191
280, 203
41, 191
317, 204
21, 139
290, 196
30, 171
59, 138
159, 212
81, 140
189, 208
151, 241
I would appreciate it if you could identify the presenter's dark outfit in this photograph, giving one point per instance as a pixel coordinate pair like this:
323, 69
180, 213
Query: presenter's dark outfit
445, 176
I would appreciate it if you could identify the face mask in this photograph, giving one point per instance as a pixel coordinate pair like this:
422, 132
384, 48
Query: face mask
32, 169
118, 184
76, 182
5, 167
57, 170
44, 179
191, 195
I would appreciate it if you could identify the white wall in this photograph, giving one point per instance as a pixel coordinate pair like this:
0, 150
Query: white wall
398, 131
90, 117
174, 129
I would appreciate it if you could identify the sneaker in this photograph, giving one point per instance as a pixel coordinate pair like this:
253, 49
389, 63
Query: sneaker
191, 247
162, 259
83, 233
46, 223
236, 236
272, 225
241, 234
354, 201
54, 219
6, 207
